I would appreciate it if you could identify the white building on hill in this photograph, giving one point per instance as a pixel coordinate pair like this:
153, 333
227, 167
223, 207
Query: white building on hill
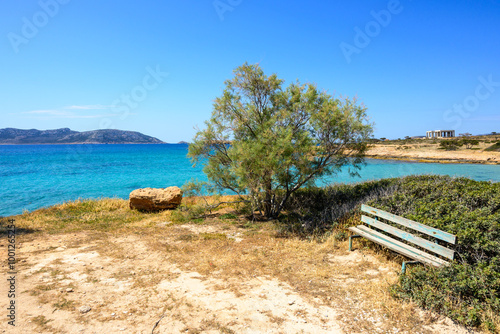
441, 134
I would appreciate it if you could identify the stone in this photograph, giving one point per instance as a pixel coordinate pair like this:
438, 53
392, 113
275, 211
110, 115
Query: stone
85, 309
155, 199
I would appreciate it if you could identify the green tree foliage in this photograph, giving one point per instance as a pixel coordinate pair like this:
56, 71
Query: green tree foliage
268, 141
450, 144
469, 142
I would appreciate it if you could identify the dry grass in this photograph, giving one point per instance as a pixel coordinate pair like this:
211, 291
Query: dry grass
103, 215
303, 264
98, 215
42, 323
228, 247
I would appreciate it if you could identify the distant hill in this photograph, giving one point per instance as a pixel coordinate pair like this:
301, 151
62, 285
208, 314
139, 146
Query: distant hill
67, 136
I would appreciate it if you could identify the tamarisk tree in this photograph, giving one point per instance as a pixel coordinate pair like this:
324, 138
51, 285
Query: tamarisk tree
266, 141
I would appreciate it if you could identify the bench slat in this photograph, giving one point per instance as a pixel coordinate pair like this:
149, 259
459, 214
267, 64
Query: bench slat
427, 244
398, 246
434, 232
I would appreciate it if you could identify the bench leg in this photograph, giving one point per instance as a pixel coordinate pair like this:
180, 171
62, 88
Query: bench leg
350, 241
403, 268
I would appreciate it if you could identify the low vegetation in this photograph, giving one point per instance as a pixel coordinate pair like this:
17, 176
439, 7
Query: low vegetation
454, 144
98, 215
315, 222
468, 291
450, 144
494, 147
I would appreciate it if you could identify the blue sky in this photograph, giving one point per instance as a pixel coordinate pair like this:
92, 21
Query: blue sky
156, 66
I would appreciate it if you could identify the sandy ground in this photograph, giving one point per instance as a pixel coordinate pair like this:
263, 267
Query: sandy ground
430, 153
77, 283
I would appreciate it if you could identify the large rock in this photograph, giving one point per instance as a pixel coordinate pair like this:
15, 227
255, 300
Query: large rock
153, 199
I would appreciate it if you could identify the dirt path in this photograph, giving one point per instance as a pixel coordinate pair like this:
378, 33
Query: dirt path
84, 283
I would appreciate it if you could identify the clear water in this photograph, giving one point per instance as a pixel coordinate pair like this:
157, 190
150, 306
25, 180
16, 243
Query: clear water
35, 176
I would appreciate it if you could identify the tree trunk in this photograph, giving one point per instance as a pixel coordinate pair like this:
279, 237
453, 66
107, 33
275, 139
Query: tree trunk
268, 207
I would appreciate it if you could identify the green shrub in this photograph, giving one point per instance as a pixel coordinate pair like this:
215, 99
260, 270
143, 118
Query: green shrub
469, 290
462, 292
450, 144
469, 142
316, 210
494, 147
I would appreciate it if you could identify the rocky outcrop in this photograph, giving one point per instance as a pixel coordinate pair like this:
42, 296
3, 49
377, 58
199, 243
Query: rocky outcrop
67, 136
154, 199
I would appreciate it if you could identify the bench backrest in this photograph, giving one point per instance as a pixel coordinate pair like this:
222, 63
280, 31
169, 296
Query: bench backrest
424, 243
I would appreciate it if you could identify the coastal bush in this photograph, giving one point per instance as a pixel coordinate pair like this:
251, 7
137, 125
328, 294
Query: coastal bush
266, 141
450, 144
318, 209
494, 147
469, 142
202, 200
468, 291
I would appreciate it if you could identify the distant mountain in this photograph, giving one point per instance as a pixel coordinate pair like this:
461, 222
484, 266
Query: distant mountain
67, 136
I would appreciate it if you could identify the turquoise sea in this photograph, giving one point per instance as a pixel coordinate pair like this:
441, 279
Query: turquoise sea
35, 176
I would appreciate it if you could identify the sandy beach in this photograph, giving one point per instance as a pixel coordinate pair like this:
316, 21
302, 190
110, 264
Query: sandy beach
426, 152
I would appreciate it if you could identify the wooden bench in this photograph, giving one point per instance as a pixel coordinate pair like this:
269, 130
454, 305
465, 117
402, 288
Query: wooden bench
397, 239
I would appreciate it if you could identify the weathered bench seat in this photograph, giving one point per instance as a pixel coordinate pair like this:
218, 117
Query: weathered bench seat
426, 251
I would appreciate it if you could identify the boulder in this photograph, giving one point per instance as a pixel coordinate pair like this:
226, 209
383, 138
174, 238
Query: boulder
154, 199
